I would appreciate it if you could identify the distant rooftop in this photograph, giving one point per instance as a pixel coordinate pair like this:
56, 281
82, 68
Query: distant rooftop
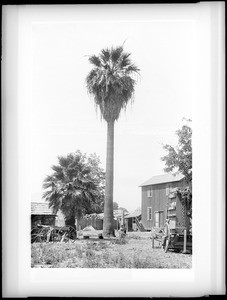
162, 179
116, 213
39, 208
135, 213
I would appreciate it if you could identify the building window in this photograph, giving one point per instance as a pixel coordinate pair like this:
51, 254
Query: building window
149, 192
172, 205
159, 218
149, 213
168, 186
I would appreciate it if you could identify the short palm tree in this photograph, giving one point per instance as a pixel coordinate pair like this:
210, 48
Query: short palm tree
75, 186
111, 83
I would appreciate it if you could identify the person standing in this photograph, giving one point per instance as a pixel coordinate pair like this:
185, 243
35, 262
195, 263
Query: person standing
122, 231
166, 232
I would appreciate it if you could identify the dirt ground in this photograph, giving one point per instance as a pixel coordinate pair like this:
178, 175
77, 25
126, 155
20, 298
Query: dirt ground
134, 251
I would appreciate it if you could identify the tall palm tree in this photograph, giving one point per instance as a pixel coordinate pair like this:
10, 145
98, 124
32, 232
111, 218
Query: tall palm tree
111, 83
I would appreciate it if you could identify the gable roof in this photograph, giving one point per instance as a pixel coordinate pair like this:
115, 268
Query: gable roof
163, 179
39, 208
135, 213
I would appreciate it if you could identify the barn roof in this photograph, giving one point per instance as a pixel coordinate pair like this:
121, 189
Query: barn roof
163, 179
39, 208
135, 213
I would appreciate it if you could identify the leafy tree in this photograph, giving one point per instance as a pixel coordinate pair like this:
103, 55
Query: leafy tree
115, 205
111, 84
76, 186
179, 159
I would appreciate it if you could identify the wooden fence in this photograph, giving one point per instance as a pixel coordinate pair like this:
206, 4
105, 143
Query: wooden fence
95, 223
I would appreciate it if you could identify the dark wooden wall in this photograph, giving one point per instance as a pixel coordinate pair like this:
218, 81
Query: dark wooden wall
158, 202
42, 220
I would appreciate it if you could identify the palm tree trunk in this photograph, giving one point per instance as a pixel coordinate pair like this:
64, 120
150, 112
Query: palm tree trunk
108, 223
71, 222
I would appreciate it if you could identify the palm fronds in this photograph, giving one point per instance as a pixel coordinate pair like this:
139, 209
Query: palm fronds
111, 83
125, 60
105, 55
95, 60
116, 54
132, 68
75, 184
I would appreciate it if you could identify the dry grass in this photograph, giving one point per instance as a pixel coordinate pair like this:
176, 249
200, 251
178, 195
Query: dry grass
134, 251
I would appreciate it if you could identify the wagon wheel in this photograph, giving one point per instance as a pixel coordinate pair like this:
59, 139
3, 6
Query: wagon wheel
60, 234
36, 238
36, 235
34, 230
56, 235
69, 232
42, 235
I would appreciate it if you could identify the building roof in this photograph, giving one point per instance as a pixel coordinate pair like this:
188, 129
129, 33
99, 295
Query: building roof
39, 208
135, 213
118, 213
163, 179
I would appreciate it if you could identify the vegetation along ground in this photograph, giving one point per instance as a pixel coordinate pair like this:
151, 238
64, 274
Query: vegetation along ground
133, 251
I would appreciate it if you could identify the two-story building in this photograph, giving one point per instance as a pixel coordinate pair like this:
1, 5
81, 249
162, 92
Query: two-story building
160, 200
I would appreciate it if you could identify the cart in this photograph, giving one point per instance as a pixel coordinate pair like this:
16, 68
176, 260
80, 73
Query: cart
178, 211
178, 240
45, 233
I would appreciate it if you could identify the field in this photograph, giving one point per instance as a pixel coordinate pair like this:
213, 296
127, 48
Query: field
133, 251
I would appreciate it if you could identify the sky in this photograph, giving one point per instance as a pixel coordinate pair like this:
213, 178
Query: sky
64, 117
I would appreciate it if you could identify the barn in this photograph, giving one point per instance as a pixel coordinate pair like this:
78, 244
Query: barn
160, 199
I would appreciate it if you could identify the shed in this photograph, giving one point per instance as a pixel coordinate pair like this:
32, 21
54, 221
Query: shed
42, 214
133, 220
